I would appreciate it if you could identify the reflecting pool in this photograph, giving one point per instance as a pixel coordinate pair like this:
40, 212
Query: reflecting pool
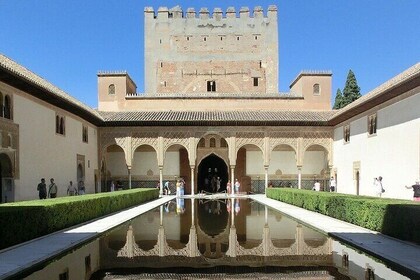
227, 238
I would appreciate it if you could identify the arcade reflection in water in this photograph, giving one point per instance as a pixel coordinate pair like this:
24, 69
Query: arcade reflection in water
203, 233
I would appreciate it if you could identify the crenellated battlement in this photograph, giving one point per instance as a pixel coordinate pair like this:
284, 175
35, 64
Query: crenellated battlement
204, 13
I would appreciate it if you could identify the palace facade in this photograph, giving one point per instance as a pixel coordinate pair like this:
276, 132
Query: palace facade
211, 110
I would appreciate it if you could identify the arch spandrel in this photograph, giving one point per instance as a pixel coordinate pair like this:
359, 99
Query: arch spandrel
176, 138
323, 139
140, 139
250, 138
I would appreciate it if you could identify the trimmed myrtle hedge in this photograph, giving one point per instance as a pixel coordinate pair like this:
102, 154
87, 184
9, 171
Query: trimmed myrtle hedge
25, 220
393, 217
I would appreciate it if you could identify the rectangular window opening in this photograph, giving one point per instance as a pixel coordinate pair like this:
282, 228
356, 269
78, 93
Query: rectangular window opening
255, 81
211, 86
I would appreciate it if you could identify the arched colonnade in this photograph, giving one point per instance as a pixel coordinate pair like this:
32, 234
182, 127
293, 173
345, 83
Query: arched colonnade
156, 156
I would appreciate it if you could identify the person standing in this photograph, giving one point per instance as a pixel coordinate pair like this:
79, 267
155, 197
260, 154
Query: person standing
81, 188
112, 186
317, 186
52, 189
416, 190
228, 186
333, 184
42, 189
71, 190
237, 186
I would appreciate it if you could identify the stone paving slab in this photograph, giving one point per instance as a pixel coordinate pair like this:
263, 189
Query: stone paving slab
398, 252
23, 256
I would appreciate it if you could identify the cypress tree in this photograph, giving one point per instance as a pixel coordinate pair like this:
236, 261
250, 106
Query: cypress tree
351, 91
338, 100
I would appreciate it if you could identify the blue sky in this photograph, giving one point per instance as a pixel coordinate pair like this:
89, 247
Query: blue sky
68, 42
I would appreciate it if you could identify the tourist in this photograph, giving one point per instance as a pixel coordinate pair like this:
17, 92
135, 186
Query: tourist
71, 190
237, 186
42, 189
166, 189
112, 186
416, 190
377, 183
81, 188
317, 186
228, 186
333, 184
218, 181
183, 185
52, 189
178, 188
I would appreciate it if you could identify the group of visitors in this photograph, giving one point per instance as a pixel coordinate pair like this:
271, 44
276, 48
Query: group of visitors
116, 186
52, 189
237, 187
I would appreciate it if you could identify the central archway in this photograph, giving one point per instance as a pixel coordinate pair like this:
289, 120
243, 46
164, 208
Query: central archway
211, 168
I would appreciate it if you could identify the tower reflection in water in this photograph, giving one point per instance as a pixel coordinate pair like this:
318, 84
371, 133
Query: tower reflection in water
202, 233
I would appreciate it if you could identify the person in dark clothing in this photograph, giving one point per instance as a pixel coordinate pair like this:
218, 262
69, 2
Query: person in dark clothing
42, 189
416, 190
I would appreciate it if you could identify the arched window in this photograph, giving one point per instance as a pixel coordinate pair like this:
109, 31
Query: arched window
1, 105
111, 89
7, 107
316, 89
212, 143
57, 124
347, 134
372, 123
62, 126
85, 134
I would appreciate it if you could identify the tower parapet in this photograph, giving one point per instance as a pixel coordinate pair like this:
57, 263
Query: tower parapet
217, 14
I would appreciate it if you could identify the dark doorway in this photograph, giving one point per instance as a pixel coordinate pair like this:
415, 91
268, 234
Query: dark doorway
6, 179
210, 169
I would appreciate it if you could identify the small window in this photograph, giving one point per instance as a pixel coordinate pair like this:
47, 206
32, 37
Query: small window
88, 266
64, 275
255, 81
164, 83
212, 143
316, 89
188, 38
211, 86
205, 39
85, 134
161, 64
60, 125
345, 261
7, 107
347, 134
111, 89
372, 124
256, 37
237, 38
160, 41
369, 274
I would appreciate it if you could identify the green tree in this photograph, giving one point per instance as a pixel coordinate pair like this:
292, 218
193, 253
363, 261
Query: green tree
338, 100
351, 91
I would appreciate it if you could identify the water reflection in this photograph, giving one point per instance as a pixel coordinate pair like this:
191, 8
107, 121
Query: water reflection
210, 233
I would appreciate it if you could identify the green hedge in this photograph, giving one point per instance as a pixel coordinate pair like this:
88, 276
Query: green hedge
393, 217
25, 220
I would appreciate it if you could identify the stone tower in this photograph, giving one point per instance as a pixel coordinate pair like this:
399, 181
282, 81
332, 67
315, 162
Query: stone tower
186, 52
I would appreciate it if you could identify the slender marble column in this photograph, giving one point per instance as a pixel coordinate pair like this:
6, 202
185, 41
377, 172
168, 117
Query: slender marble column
192, 180
299, 177
161, 179
129, 177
